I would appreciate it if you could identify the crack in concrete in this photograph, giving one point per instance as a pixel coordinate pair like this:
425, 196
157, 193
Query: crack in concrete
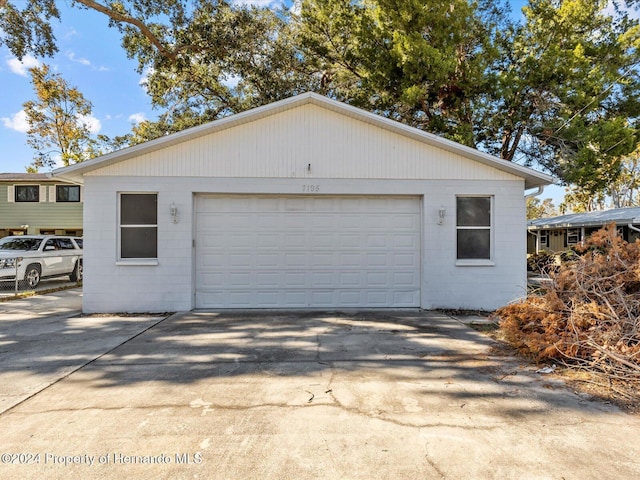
235, 408
431, 463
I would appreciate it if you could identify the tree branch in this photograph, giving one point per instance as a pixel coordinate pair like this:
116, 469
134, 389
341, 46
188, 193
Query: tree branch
123, 18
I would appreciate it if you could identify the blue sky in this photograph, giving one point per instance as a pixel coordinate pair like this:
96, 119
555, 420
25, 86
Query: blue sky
91, 59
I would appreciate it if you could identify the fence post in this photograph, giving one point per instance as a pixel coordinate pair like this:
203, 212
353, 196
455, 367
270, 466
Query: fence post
15, 292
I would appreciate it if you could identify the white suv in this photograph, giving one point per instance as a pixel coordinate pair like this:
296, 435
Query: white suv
40, 256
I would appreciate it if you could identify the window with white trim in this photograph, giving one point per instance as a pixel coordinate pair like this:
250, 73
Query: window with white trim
138, 226
473, 225
27, 193
573, 236
544, 238
67, 193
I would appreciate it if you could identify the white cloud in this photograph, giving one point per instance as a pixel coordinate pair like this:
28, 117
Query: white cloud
72, 56
17, 122
21, 67
92, 123
70, 33
137, 117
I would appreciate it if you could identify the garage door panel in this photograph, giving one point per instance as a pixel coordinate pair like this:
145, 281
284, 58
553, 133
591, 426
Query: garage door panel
350, 260
214, 261
405, 259
349, 241
377, 260
266, 241
294, 280
266, 222
321, 279
404, 299
295, 299
307, 252
295, 241
267, 279
239, 260
405, 222
268, 260
321, 241
322, 260
404, 279
377, 279
350, 279
405, 241
240, 280
295, 260
268, 299
378, 298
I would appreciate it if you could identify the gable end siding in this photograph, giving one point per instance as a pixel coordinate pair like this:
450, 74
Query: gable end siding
306, 142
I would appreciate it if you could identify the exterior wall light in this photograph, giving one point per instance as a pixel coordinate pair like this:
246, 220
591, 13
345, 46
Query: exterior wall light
441, 214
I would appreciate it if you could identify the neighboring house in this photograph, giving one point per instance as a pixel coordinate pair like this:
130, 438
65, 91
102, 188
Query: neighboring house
556, 234
35, 203
304, 203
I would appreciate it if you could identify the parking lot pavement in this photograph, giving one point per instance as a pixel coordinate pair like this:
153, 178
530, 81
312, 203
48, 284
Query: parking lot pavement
44, 338
400, 395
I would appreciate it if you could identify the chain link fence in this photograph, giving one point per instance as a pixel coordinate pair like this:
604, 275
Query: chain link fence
16, 280
9, 281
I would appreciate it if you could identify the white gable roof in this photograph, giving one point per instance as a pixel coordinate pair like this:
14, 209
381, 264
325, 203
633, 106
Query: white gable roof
76, 172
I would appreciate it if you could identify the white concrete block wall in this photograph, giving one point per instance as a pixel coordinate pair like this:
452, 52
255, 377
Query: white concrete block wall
169, 286
109, 287
448, 285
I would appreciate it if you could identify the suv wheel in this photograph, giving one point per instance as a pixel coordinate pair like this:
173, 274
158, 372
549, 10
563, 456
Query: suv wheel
76, 274
32, 276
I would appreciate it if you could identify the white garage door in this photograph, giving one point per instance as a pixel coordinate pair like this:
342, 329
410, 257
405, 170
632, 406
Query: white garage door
307, 251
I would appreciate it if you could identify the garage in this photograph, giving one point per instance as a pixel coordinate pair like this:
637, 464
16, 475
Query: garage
307, 251
304, 203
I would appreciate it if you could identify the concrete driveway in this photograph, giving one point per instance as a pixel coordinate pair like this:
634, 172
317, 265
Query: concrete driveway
402, 395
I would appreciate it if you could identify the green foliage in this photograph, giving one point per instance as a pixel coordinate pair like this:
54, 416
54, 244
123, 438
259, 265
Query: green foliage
422, 64
577, 200
56, 126
561, 89
28, 29
540, 209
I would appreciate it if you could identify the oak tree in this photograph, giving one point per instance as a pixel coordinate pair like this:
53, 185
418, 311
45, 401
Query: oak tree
58, 121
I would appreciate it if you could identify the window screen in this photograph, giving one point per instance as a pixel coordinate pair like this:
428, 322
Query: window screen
67, 193
138, 225
27, 193
473, 223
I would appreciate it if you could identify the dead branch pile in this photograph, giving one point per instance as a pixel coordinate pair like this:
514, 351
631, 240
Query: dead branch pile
589, 317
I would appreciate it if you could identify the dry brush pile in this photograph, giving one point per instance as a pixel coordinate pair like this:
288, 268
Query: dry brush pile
589, 316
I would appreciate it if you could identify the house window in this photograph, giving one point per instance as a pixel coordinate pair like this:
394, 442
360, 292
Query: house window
27, 193
138, 225
67, 193
544, 238
473, 224
573, 236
